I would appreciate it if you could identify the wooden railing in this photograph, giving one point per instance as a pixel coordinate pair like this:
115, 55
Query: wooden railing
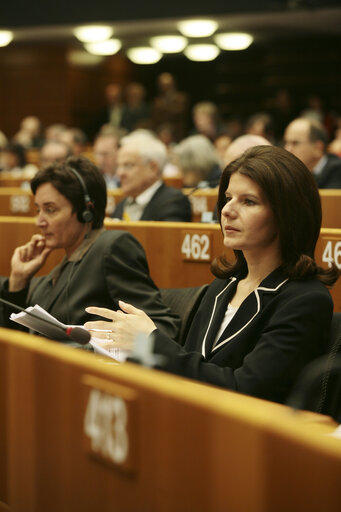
79, 433
17, 201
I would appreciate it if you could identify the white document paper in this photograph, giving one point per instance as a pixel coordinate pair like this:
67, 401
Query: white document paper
55, 331
37, 323
115, 353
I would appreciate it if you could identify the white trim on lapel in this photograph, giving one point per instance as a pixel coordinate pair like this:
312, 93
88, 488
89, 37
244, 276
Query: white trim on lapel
262, 288
212, 314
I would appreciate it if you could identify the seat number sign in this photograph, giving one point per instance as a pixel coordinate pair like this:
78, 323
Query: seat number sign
196, 246
108, 423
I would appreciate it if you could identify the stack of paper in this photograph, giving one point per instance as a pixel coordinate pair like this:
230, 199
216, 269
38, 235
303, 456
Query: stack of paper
51, 328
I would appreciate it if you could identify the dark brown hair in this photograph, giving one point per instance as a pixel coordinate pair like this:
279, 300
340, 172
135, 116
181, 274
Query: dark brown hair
67, 184
291, 191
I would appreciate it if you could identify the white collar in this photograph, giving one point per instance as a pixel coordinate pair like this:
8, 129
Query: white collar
144, 198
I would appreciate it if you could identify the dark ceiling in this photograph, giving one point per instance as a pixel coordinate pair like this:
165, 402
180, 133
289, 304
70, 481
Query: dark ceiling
22, 13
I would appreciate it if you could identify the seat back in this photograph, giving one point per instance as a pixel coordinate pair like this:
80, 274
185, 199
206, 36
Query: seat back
330, 398
184, 302
319, 386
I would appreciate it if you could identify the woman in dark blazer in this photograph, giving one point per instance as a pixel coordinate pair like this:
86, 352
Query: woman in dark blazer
99, 266
268, 313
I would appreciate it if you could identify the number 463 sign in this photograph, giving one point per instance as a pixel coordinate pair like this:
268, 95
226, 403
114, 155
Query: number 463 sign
332, 252
110, 423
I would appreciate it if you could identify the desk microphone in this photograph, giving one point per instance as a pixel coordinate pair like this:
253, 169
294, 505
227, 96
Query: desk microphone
77, 334
204, 184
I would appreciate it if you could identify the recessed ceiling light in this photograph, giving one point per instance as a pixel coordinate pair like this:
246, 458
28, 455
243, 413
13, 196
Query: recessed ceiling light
197, 28
233, 40
144, 55
201, 52
108, 47
169, 44
93, 33
6, 37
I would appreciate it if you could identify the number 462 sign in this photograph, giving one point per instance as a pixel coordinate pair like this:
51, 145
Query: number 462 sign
196, 246
332, 252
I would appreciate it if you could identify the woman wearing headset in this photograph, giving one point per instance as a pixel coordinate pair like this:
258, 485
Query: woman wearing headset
99, 266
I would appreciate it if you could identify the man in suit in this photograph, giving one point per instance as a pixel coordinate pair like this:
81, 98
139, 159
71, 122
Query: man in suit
140, 162
105, 156
307, 139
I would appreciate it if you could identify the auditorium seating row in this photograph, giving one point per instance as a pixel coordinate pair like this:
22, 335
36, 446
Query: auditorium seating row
179, 253
18, 201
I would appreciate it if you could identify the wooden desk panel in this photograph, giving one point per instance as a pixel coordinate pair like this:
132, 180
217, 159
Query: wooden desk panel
195, 447
179, 253
331, 208
16, 201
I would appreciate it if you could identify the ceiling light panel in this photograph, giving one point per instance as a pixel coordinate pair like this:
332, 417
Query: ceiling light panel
197, 28
144, 55
6, 37
201, 52
169, 44
233, 40
108, 47
93, 33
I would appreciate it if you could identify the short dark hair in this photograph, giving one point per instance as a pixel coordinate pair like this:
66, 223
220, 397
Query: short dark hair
317, 132
19, 151
67, 184
293, 196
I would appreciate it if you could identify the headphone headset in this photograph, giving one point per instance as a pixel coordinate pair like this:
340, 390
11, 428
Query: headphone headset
87, 214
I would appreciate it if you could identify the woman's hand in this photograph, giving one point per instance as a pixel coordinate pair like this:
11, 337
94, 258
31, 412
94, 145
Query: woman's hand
26, 261
122, 327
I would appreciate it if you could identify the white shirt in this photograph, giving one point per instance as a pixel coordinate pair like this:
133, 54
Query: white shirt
134, 207
229, 314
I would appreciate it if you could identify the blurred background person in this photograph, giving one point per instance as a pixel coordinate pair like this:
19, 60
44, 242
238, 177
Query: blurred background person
53, 151
30, 133
13, 160
105, 156
53, 131
136, 111
308, 140
75, 138
3, 140
206, 120
170, 106
241, 144
221, 143
334, 147
282, 110
197, 161
260, 124
140, 162
111, 113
